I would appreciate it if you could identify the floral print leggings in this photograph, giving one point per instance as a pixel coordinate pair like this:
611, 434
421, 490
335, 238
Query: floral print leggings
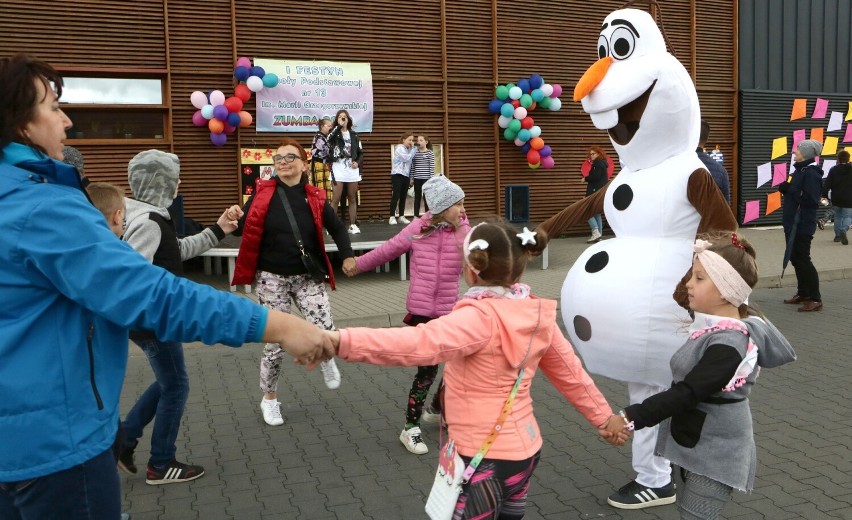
422, 383
275, 292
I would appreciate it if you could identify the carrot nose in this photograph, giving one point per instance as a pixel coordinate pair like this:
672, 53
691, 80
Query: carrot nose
594, 75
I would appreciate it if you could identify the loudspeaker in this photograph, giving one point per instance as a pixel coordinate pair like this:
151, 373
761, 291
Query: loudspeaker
517, 208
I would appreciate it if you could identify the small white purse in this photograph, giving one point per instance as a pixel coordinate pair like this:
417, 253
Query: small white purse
448, 484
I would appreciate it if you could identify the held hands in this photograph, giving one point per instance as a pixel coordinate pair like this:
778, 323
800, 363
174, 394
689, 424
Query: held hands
334, 338
350, 267
230, 218
614, 431
304, 341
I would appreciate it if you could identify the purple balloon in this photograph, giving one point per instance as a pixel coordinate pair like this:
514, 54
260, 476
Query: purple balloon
545, 151
494, 106
220, 112
218, 139
547, 162
233, 119
257, 71
241, 73
198, 119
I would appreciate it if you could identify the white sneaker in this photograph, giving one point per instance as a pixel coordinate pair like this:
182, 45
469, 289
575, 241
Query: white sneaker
331, 374
271, 409
403, 220
412, 441
392, 221
430, 416
596, 235
353, 230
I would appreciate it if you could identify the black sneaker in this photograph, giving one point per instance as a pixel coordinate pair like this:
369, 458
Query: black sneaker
637, 496
843, 238
125, 461
821, 223
174, 472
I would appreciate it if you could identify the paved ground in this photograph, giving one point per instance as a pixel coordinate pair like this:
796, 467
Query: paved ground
337, 456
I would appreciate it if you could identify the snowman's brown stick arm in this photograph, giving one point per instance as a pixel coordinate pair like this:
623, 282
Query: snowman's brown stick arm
580, 211
705, 196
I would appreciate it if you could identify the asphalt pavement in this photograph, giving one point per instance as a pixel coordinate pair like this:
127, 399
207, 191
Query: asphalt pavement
337, 455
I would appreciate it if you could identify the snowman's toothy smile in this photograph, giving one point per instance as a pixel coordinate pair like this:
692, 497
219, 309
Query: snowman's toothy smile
629, 116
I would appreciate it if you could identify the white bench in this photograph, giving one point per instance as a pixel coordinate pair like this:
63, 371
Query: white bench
230, 253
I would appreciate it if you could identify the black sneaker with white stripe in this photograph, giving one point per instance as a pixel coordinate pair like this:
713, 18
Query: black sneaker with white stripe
174, 472
637, 496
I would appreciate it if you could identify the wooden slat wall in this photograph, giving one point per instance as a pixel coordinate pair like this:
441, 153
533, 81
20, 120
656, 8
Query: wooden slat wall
435, 65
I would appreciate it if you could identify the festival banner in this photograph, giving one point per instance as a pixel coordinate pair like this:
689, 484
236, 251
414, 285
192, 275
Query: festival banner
308, 91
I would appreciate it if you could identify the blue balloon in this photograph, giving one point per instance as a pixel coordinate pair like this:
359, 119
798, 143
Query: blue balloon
507, 110
270, 80
536, 81
257, 71
241, 73
234, 119
524, 134
495, 106
526, 147
524, 83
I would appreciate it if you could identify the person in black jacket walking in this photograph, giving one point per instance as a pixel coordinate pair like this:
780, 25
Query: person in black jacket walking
801, 198
839, 183
596, 180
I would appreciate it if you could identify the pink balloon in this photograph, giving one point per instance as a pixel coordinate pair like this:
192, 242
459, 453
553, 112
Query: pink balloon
547, 162
217, 97
198, 119
244, 62
198, 99
557, 90
229, 129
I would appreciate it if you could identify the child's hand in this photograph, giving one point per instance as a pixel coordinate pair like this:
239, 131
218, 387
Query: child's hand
230, 218
350, 267
334, 338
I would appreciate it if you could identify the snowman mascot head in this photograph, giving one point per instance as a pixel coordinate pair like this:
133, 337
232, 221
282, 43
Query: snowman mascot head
639, 93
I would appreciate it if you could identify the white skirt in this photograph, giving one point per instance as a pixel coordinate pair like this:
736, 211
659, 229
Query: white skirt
344, 172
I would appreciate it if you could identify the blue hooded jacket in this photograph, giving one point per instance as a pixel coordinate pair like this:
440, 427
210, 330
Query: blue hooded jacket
70, 291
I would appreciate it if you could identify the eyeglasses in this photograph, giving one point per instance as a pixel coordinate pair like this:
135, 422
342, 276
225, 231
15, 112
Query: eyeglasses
290, 157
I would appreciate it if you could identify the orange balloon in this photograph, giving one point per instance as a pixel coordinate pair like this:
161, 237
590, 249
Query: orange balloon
216, 126
536, 143
245, 118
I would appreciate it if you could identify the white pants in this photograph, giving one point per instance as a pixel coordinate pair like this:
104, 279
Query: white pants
651, 471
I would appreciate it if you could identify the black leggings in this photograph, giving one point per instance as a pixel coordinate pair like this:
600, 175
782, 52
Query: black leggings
399, 183
418, 192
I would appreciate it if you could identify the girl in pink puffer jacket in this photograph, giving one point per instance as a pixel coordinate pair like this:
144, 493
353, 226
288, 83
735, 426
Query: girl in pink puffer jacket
434, 243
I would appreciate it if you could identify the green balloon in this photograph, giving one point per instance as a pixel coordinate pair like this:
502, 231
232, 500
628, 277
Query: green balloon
510, 85
544, 103
514, 126
509, 134
502, 92
526, 101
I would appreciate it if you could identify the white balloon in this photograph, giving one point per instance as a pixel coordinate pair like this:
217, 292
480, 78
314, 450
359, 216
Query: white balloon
535, 131
518, 142
520, 113
503, 121
217, 98
547, 89
515, 93
254, 83
555, 104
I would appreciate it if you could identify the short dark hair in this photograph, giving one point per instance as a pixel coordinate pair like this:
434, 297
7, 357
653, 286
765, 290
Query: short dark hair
705, 132
843, 156
18, 101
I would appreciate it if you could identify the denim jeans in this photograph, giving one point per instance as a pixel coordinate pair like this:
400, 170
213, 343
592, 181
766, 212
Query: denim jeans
89, 491
596, 222
842, 219
164, 399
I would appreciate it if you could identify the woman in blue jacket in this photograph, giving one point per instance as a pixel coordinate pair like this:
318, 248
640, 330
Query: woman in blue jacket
71, 290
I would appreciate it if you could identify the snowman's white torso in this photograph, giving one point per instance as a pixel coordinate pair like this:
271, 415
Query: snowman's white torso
617, 298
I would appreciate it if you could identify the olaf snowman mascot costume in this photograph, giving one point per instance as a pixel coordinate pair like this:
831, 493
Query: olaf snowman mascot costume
617, 298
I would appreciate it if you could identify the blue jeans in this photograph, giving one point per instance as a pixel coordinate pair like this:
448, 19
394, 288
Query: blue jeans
164, 399
89, 491
596, 222
842, 219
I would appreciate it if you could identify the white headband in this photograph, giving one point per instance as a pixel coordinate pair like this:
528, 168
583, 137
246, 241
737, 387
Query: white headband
731, 285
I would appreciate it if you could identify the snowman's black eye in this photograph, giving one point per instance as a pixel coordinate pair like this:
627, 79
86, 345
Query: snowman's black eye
623, 43
603, 47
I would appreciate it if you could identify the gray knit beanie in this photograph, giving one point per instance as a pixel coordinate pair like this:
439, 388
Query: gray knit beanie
441, 193
72, 156
153, 177
809, 148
